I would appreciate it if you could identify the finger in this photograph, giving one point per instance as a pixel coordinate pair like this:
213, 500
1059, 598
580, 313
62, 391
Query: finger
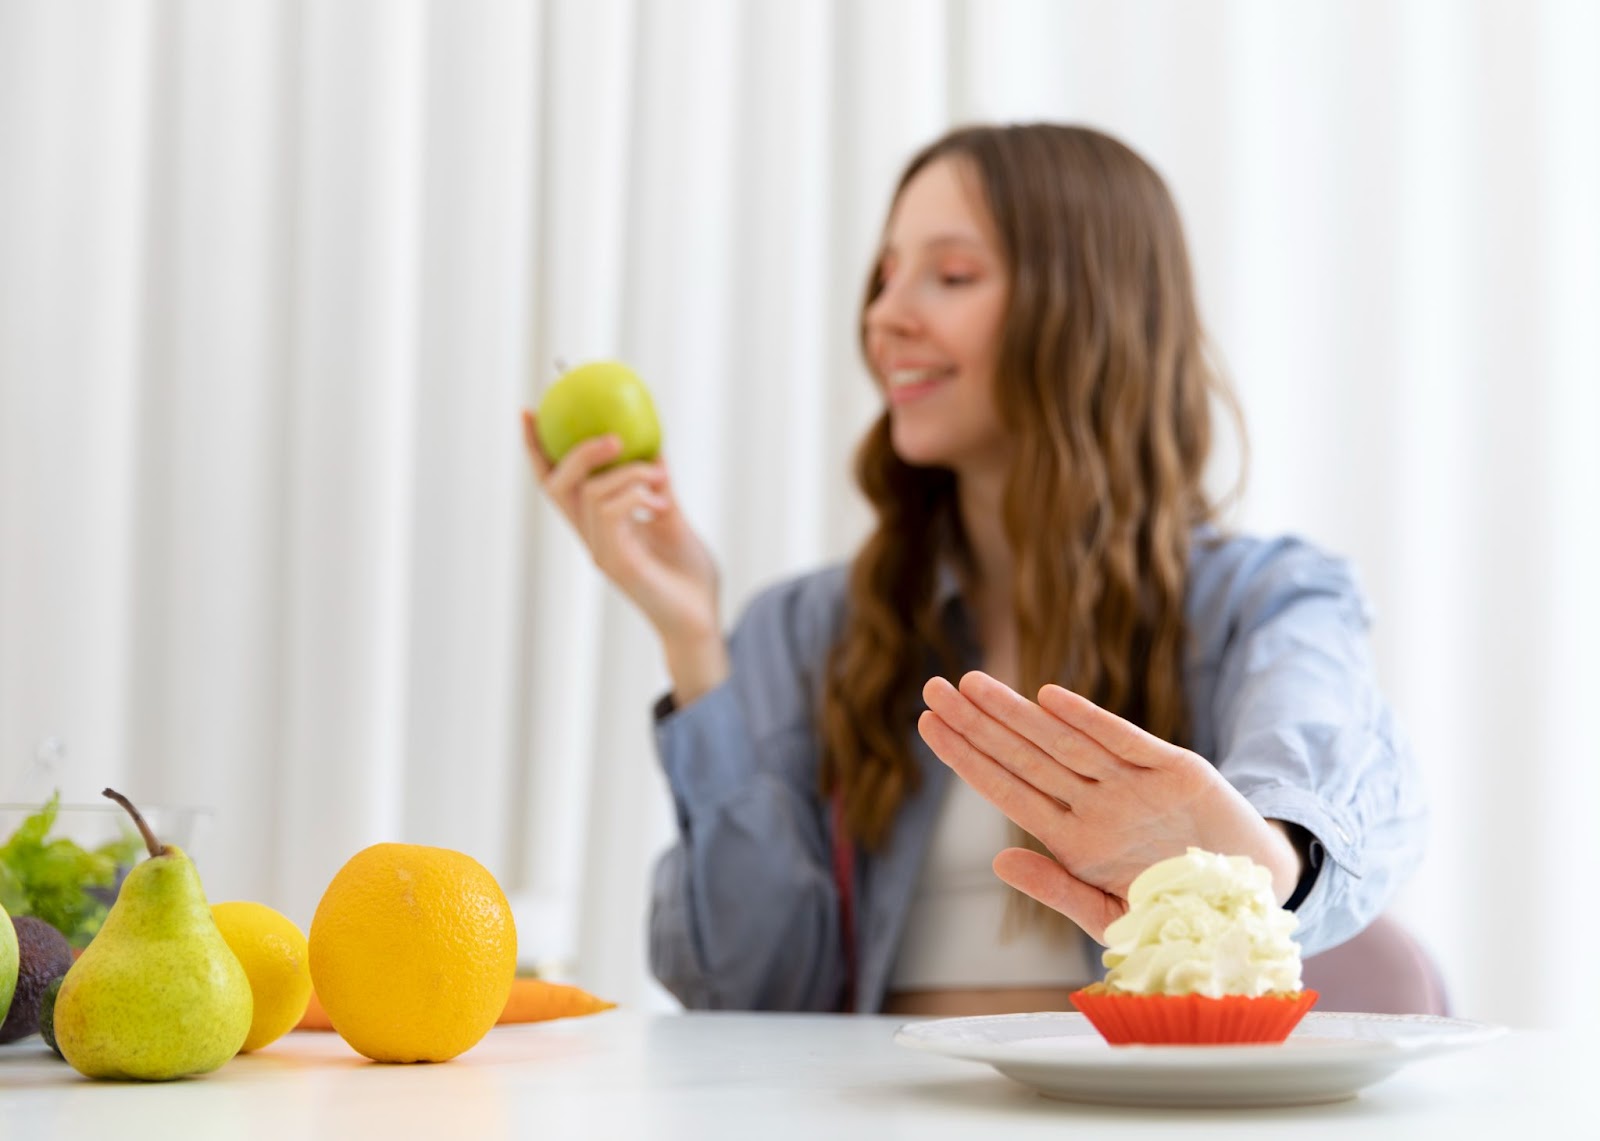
1039, 813
992, 736
530, 440
1037, 875
615, 533
580, 462
633, 503
1118, 736
1068, 745
603, 485
603, 521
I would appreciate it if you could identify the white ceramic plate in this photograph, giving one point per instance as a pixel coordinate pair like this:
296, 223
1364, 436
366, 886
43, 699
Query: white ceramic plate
1328, 1057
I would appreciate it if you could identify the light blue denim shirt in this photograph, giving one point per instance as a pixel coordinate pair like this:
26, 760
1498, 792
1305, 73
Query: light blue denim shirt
1283, 700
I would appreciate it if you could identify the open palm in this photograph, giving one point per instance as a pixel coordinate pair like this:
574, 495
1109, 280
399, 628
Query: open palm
1106, 798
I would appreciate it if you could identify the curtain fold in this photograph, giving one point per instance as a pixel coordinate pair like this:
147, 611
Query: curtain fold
276, 277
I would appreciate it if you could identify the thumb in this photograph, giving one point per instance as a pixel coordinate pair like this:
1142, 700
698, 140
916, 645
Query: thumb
530, 441
1037, 875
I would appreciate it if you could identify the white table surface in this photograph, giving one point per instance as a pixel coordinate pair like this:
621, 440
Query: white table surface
692, 1076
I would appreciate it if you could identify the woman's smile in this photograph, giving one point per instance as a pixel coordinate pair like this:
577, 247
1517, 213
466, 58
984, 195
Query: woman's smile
909, 383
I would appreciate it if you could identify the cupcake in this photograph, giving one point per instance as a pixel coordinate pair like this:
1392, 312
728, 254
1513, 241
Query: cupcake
1203, 956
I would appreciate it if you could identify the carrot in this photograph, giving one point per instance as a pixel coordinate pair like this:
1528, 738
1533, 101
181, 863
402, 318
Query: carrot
531, 1000
534, 1000
315, 1018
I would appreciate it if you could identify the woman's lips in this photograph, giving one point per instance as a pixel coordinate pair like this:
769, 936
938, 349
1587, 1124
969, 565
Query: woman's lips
908, 385
909, 393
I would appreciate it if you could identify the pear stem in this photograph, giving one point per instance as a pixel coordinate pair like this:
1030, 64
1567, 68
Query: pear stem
157, 848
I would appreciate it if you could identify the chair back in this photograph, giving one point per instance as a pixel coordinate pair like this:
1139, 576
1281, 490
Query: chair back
1383, 970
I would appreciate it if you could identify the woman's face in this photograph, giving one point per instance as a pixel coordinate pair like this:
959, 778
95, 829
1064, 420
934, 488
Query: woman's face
933, 331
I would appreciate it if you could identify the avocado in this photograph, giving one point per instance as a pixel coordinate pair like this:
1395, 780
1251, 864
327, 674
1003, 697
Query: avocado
43, 956
47, 1016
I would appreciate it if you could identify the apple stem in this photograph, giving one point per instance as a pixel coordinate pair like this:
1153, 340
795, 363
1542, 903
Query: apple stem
157, 848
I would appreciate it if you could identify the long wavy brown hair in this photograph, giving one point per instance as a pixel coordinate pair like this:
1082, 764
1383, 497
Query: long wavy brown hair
1105, 386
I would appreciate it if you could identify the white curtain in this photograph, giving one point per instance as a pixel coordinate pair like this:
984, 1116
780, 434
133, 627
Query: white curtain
276, 276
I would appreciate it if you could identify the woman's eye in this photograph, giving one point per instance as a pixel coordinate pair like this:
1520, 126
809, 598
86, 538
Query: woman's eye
956, 278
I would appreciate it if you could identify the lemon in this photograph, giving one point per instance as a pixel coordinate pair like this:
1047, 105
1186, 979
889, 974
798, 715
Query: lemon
273, 953
413, 950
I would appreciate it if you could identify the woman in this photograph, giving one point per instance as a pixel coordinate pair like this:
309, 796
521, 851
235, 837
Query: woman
1042, 530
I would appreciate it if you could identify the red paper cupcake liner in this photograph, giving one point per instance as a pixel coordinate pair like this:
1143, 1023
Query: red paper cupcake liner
1191, 1019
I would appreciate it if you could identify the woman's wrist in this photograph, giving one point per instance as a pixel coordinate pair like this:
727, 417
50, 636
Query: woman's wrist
1286, 862
697, 662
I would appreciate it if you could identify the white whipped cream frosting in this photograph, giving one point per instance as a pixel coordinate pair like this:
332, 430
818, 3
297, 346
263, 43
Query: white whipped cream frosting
1201, 923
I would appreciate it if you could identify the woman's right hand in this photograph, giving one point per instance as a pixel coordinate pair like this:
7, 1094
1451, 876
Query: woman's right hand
640, 540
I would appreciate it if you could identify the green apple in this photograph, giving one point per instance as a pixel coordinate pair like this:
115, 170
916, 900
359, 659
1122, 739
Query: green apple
597, 399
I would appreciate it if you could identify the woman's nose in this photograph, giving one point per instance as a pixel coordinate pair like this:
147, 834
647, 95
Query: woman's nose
892, 311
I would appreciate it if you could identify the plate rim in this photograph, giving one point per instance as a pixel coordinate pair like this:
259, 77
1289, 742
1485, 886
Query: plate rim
1462, 1033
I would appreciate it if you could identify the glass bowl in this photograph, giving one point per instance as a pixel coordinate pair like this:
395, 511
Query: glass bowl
92, 826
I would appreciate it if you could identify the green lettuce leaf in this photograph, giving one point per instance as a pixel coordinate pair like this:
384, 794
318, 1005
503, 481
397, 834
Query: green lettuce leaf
59, 881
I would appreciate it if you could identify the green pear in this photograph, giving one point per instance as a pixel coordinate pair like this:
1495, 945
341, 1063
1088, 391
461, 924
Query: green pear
158, 994
10, 959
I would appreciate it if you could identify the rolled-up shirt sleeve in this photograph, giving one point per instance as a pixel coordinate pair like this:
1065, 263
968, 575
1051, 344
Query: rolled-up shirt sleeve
1304, 733
744, 912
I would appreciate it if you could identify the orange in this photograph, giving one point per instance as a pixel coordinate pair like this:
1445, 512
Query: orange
413, 950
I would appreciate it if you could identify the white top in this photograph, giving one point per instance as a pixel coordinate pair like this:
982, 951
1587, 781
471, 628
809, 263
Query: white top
953, 934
